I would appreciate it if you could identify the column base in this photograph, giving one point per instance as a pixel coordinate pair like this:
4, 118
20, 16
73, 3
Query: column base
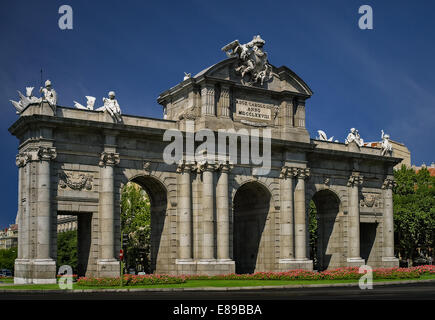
23, 271
108, 268
185, 266
44, 271
35, 271
205, 266
293, 264
355, 262
390, 262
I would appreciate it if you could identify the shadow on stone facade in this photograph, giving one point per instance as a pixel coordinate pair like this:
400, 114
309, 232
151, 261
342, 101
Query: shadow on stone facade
329, 248
367, 239
251, 208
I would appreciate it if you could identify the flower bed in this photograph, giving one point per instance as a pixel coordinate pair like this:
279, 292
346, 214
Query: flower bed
74, 276
427, 269
347, 273
131, 280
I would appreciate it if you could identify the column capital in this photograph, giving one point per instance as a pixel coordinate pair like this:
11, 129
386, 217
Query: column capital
207, 166
389, 183
209, 87
46, 153
224, 167
301, 173
185, 166
286, 172
109, 159
22, 159
301, 100
355, 180
225, 91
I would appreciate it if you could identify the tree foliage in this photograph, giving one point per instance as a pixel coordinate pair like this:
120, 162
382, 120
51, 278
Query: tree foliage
67, 249
414, 212
7, 258
136, 223
312, 229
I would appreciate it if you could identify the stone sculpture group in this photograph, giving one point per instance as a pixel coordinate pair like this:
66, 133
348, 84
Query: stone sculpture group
252, 59
48, 95
110, 105
252, 62
354, 136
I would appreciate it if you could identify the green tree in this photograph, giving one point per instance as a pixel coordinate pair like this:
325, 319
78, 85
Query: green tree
7, 258
312, 229
67, 249
414, 212
136, 223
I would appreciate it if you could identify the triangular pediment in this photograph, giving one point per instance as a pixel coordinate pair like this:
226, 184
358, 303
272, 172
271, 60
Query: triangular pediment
280, 79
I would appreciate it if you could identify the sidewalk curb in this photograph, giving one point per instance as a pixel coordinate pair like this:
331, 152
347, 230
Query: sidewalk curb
222, 289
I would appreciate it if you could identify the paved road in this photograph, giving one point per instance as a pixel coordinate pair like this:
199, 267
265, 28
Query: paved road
421, 291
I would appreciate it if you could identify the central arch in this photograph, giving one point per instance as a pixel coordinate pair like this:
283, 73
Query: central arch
252, 203
157, 193
328, 246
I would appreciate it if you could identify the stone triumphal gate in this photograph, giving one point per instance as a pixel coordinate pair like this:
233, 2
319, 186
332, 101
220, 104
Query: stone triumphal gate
206, 218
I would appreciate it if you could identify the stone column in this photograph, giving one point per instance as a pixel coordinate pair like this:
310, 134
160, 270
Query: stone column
223, 214
23, 264
184, 208
45, 154
208, 211
44, 267
299, 118
287, 113
21, 160
388, 258
354, 257
107, 262
208, 100
225, 102
300, 214
286, 238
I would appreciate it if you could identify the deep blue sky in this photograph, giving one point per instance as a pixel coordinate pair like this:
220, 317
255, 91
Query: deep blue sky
372, 79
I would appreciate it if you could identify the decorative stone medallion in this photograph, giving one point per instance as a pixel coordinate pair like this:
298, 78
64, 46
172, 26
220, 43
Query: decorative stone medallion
75, 180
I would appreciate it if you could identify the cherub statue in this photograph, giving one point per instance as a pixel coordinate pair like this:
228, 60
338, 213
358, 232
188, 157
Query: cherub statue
112, 107
354, 136
89, 103
48, 93
386, 146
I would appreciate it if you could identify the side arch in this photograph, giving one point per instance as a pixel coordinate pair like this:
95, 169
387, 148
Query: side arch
158, 172
313, 188
270, 184
160, 223
328, 249
252, 228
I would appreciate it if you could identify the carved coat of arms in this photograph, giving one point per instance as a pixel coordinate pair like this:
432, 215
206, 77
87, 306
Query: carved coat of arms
369, 200
75, 181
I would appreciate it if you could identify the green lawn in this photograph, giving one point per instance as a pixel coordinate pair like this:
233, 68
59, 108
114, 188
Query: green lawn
207, 283
11, 280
